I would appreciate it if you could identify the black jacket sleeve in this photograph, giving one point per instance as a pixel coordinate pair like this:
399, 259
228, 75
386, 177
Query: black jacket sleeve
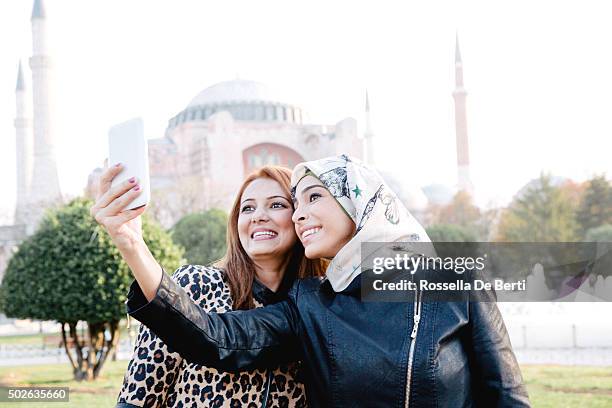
496, 373
238, 340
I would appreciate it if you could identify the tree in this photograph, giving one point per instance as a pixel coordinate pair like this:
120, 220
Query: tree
596, 205
71, 272
202, 235
462, 212
543, 213
450, 233
181, 197
602, 233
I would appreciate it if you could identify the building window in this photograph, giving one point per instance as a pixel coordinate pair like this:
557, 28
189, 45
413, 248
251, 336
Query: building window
249, 112
279, 113
270, 113
259, 113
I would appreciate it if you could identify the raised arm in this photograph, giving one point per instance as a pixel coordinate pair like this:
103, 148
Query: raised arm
262, 337
229, 341
124, 227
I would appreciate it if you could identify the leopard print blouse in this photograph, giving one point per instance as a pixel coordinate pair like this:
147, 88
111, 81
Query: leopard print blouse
158, 377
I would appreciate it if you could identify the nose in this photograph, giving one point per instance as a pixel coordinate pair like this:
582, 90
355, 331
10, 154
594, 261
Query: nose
298, 216
258, 215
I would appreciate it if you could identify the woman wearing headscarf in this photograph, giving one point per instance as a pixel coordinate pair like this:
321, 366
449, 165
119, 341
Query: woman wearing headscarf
355, 353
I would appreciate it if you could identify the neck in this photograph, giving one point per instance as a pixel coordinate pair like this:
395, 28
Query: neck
270, 272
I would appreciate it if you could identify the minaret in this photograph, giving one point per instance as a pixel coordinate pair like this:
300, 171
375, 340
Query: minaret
23, 144
463, 154
368, 135
45, 190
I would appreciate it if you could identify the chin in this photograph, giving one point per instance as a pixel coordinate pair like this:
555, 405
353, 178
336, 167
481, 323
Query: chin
312, 252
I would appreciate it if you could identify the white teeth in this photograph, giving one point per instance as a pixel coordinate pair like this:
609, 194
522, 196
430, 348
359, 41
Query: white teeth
310, 231
262, 233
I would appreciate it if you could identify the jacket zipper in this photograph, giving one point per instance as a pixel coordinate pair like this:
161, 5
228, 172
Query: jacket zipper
264, 402
413, 335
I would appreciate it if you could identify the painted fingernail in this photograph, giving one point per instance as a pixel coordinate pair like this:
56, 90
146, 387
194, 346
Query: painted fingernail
137, 188
133, 179
118, 164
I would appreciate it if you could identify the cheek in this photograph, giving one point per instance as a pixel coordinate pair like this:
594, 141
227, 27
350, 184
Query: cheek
342, 229
349, 230
243, 229
285, 224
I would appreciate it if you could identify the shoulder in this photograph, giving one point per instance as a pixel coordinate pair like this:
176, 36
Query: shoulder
205, 285
204, 275
306, 286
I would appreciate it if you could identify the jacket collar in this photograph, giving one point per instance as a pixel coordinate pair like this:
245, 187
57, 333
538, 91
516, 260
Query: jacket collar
265, 295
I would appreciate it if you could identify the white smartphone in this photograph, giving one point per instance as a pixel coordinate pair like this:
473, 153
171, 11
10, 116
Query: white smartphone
128, 146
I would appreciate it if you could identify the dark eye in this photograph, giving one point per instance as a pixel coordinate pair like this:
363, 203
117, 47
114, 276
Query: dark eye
313, 197
278, 204
246, 208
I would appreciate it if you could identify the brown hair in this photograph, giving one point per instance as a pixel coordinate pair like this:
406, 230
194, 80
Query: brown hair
239, 268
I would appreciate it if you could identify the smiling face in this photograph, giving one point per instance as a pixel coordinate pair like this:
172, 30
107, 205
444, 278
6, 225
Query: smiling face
320, 222
265, 228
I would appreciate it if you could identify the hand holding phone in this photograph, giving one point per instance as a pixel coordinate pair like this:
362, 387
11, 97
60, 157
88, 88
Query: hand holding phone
128, 146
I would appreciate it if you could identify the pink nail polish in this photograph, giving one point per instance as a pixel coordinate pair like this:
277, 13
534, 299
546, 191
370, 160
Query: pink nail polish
137, 188
133, 179
118, 164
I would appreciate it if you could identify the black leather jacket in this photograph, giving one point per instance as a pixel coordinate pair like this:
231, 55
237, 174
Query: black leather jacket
355, 354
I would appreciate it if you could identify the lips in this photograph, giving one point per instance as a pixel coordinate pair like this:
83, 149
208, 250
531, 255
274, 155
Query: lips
263, 234
310, 231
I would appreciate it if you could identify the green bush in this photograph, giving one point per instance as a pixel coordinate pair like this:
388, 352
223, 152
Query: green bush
202, 235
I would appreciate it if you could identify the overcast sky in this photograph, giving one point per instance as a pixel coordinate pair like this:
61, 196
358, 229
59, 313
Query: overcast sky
538, 76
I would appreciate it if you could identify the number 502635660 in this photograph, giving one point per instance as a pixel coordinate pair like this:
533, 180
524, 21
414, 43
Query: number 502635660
24, 394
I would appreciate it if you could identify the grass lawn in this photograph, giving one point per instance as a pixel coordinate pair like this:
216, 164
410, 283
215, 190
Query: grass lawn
100, 393
37, 338
549, 386
22, 339
562, 386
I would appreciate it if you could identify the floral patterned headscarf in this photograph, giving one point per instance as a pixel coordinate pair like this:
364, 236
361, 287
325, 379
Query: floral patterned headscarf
378, 214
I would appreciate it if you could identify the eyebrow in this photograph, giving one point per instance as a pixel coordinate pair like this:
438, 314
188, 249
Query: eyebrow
309, 188
268, 198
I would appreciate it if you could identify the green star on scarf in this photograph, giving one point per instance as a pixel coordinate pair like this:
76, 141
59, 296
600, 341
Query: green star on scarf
357, 191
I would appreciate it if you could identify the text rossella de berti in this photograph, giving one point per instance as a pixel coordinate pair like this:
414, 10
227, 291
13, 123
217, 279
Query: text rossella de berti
455, 265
